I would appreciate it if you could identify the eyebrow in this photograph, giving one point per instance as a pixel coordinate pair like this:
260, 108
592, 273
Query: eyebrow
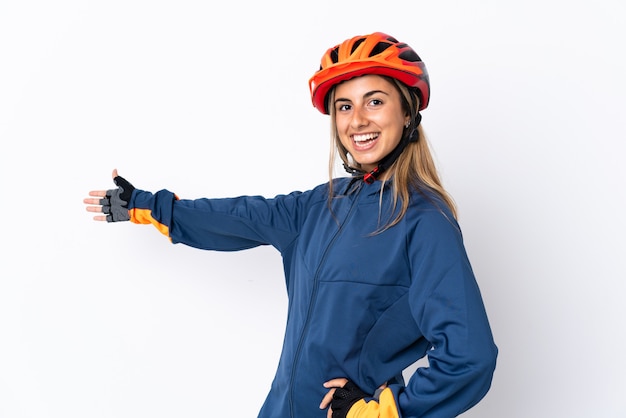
365, 96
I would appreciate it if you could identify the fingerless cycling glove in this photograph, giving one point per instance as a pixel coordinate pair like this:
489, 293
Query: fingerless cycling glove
115, 204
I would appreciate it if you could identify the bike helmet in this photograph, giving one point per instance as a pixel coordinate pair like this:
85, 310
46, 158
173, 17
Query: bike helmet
377, 53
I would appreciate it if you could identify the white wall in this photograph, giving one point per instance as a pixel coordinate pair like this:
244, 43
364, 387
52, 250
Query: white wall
110, 320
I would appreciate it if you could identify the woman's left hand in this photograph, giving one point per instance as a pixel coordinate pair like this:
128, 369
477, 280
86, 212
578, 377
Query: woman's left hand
332, 385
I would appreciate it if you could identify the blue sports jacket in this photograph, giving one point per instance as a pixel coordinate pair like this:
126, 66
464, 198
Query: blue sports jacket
362, 305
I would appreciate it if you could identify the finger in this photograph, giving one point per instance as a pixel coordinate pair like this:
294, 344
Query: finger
336, 383
101, 193
94, 209
100, 218
92, 201
114, 174
329, 413
327, 399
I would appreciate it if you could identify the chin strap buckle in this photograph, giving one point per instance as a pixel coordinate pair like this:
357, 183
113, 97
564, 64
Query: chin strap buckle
370, 177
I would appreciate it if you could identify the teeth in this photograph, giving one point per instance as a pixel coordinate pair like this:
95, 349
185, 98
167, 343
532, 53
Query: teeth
364, 137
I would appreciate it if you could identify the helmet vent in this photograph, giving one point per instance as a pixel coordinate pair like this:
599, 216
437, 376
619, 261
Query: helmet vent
409, 55
356, 45
380, 47
334, 55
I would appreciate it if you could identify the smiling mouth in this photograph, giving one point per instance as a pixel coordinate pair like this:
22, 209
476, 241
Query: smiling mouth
364, 138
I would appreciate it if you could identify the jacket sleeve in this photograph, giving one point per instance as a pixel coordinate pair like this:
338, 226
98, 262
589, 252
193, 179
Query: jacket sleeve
221, 224
447, 306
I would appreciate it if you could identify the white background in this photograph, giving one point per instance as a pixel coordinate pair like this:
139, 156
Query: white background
211, 99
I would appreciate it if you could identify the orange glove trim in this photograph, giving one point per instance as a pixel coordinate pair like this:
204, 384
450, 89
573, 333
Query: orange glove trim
144, 217
385, 408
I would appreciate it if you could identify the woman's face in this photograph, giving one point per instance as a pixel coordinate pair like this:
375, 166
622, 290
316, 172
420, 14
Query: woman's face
369, 118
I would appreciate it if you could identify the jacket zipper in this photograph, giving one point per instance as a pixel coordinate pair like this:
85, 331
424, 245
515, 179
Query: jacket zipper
313, 298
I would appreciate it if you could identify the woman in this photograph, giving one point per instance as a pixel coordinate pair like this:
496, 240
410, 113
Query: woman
375, 267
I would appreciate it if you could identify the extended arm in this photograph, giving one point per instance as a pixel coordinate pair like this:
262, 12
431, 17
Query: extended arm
226, 224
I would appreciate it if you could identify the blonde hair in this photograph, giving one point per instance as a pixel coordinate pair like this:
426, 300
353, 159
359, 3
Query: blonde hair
414, 170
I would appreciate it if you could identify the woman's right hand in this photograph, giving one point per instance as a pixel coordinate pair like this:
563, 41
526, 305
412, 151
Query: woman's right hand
113, 203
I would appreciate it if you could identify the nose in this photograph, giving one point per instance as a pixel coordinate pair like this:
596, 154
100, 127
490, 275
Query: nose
359, 118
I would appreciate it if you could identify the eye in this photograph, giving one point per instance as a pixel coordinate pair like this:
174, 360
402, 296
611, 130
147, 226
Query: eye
375, 102
343, 107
